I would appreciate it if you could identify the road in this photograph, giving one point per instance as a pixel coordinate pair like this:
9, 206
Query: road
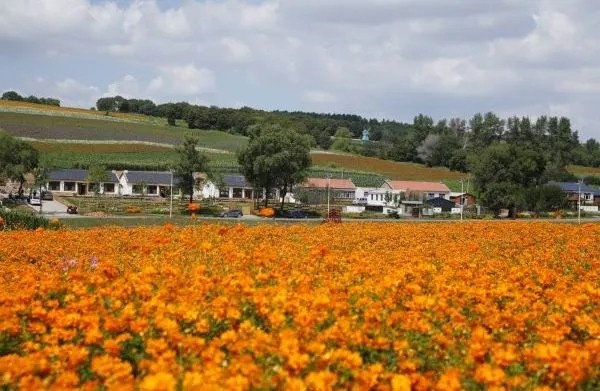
52, 208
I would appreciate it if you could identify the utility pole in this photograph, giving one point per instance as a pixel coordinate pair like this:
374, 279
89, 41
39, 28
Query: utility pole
462, 197
328, 187
579, 182
171, 206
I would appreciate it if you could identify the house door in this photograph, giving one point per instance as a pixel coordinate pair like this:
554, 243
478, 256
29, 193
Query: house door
82, 190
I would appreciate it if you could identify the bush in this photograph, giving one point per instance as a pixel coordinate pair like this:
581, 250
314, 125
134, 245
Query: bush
11, 220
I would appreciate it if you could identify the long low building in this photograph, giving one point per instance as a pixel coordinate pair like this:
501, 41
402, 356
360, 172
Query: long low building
76, 182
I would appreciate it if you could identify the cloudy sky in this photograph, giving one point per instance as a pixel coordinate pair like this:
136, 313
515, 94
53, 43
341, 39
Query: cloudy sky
379, 58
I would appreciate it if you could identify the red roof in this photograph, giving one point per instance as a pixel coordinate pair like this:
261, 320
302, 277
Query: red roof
341, 184
433, 187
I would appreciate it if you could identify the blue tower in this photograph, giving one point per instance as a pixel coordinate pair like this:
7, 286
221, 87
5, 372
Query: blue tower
365, 135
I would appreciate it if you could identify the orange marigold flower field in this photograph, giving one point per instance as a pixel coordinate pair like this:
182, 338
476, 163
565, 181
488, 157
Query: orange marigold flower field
481, 305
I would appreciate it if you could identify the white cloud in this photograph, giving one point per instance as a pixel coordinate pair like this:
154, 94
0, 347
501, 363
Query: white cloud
384, 58
74, 93
184, 80
237, 50
317, 96
127, 87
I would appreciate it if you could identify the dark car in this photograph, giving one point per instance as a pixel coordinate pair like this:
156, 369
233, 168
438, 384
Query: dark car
47, 196
296, 214
231, 213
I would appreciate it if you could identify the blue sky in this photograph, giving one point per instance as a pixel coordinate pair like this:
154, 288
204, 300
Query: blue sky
382, 58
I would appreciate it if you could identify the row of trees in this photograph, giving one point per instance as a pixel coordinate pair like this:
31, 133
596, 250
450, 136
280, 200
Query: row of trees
442, 143
14, 96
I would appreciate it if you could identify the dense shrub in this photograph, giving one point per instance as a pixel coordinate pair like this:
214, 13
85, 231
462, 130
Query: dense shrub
10, 220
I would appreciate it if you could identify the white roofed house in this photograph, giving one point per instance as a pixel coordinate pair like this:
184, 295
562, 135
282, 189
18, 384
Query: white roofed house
76, 182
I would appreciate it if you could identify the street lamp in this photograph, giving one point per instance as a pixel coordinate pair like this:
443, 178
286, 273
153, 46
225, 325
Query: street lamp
579, 182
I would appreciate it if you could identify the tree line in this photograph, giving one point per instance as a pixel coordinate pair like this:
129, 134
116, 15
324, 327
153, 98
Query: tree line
442, 143
14, 96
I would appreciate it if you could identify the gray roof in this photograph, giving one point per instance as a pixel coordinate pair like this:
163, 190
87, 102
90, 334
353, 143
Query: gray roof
77, 175
151, 177
235, 181
573, 187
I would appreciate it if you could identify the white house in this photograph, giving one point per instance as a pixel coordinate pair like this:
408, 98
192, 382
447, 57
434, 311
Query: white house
150, 183
404, 197
418, 189
75, 182
158, 183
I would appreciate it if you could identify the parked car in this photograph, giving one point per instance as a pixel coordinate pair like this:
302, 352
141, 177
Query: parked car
231, 213
359, 201
296, 214
47, 195
34, 198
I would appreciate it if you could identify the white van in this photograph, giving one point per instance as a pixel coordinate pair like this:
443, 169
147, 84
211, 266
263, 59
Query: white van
34, 198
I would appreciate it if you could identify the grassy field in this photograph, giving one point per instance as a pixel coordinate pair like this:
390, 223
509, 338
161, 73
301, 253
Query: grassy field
46, 127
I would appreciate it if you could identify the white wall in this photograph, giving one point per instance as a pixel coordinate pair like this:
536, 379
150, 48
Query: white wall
354, 209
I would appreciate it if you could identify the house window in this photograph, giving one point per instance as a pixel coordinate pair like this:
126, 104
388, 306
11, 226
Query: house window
138, 189
69, 186
430, 195
109, 187
237, 192
224, 193
588, 196
54, 186
248, 193
152, 190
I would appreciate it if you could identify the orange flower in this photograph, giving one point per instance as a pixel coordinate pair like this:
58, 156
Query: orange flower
159, 382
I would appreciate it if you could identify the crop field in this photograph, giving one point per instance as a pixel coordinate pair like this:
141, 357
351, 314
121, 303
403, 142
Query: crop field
67, 128
99, 148
386, 168
351, 306
130, 160
583, 171
35, 108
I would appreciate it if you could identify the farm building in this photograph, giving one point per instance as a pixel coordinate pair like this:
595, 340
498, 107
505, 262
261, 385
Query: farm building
440, 204
419, 190
467, 199
75, 181
150, 183
339, 189
590, 197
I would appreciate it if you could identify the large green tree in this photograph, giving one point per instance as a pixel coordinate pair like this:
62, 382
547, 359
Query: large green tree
275, 158
17, 158
96, 175
503, 171
190, 161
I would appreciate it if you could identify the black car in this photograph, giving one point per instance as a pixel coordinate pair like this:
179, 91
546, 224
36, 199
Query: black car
296, 214
231, 213
47, 196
